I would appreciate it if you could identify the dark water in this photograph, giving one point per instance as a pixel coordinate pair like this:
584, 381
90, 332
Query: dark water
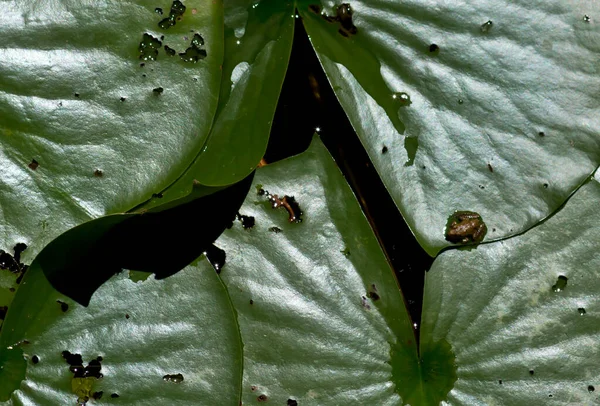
308, 102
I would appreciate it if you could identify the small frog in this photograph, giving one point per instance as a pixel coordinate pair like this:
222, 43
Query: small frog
464, 227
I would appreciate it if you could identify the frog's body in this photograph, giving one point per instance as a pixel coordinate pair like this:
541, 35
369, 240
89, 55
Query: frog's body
464, 227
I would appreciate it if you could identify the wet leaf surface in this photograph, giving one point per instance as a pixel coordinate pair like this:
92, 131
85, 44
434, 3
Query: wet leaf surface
499, 83
510, 316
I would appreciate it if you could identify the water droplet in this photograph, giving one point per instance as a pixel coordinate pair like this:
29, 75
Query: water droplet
175, 378
170, 51
402, 98
434, 48
586, 18
487, 26
561, 284
216, 256
591, 388
581, 311
158, 10
317, 129
148, 47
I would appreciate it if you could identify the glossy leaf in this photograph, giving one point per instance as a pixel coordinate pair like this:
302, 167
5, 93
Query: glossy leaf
258, 42
81, 260
522, 333
317, 303
143, 331
505, 114
75, 98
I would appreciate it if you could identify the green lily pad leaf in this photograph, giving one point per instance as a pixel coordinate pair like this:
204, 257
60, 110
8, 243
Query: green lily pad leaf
483, 107
318, 307
146, 333
95, 116
78, 262
521, 315
258, 42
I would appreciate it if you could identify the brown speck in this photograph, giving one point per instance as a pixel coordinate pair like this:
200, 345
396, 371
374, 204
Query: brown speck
157, 195
546, 185
262, 398
500, 381
35, 359
127, 316
434, 48
33, 165
490, 168
114, 395
122, 99
251, 301
142, 65
373, 295
531, 372
158, 90
253, 388
76, 95
365, 303
98, 173
542, 134
275, 230
3, 310
97, 395
194, 11
292, 402
63, 306
384, 150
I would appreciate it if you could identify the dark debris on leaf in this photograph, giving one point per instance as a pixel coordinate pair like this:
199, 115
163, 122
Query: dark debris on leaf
63, 306
343, 16
288, 202
216, 256
175, 378
247, 221
79, 371
292, 402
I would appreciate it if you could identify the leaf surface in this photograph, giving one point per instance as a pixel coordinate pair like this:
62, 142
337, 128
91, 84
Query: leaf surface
504, 114
521, 315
